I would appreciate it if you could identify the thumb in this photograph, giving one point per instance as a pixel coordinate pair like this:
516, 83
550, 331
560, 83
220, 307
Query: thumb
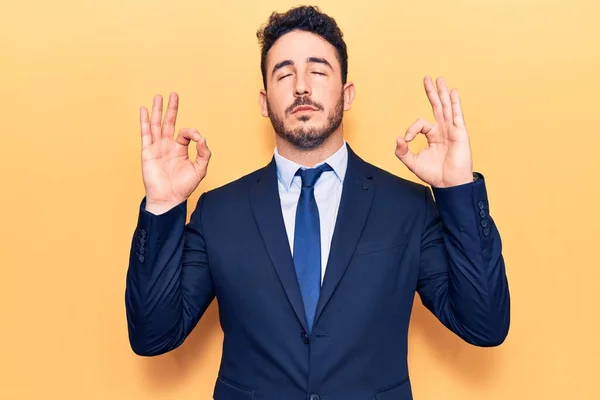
203, 156
404, 153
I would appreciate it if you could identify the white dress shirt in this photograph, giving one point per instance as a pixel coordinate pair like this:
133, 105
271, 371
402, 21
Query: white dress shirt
328, 192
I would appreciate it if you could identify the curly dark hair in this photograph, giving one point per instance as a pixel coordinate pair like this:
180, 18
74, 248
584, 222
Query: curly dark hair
305, 18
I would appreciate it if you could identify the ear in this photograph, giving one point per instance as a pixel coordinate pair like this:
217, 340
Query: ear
262, 101
349, 93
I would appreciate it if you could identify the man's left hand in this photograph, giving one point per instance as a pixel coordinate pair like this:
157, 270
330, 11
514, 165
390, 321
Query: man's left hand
447, 160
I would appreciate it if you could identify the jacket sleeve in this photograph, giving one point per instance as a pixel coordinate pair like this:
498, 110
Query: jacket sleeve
462, 277
168, 284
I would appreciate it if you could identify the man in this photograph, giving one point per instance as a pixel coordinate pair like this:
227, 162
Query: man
315, 258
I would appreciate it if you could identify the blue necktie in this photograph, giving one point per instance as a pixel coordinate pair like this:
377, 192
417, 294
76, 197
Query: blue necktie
307, 241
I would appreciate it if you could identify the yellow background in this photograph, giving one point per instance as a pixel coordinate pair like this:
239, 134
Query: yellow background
74, 73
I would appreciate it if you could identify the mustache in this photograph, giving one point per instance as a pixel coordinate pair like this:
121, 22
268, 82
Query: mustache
303, 101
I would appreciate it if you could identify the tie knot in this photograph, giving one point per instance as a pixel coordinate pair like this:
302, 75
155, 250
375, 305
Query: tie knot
311, 175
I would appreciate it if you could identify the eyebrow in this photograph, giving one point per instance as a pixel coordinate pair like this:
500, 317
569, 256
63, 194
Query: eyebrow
285, 63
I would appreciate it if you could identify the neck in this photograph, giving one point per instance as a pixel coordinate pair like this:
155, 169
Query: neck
312, 157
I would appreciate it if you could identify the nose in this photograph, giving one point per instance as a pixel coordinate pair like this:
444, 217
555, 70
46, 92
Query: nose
302, 87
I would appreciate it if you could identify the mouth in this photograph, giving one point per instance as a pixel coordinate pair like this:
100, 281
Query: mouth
303, 109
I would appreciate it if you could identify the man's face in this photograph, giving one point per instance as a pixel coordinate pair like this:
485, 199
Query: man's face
305, 98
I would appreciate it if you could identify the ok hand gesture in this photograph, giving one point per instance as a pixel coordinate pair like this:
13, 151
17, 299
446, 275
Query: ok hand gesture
169, 175
447, 160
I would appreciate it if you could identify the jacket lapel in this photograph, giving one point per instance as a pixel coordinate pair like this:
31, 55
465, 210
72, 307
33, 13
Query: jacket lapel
266, 205
355, 203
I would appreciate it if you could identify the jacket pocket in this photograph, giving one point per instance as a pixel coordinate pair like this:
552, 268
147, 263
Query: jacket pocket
228, 390
399, 391
373, 246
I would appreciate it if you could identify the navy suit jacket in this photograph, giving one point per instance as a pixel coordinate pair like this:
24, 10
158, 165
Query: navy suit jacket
391, 240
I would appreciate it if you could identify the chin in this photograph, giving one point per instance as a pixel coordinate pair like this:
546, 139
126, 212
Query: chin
308, 122
310, 129
307, 138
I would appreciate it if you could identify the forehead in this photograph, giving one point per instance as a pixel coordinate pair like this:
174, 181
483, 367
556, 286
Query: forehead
298, 46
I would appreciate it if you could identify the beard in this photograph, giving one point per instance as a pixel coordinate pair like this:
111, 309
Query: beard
308, 138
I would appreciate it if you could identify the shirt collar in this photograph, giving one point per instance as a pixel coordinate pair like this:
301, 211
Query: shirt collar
286, 169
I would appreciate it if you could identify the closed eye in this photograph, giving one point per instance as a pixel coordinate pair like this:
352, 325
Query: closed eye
284, 76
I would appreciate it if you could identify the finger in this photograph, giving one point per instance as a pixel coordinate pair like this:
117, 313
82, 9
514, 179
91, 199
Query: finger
445, 99
186, 135
168, 127
404, 154
156, 117
145, 127
204, 154
457, 114
421, 126
434, 99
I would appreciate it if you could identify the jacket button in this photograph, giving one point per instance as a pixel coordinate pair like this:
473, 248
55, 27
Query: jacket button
481, 205
141, 258
314, 397
484, 222
482, 213
486, 231
143, 232
304, 337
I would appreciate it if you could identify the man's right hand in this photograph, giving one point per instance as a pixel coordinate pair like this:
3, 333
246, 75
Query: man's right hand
169, 175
